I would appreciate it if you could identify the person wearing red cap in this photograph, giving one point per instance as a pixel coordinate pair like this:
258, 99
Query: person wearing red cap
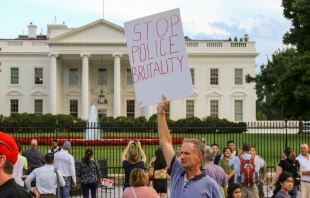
8, 157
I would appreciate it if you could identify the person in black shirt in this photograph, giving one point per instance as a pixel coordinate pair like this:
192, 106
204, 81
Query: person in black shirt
218, 156
8, 157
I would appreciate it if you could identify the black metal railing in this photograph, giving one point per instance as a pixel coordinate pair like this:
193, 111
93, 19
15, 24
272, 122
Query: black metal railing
270, 138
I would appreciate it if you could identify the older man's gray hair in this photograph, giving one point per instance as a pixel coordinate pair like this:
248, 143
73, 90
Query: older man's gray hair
209, 154
66, 145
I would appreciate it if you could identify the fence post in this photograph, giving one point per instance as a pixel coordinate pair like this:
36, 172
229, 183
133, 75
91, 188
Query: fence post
285, 119
214, 130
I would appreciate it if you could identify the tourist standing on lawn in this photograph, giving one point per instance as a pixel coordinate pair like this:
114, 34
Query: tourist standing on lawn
304, 160
231, 144
64, 162
224, 163
186, 177
291, 165
262, 175
34, 157
133, 160
158, 172
8, 157
137, 189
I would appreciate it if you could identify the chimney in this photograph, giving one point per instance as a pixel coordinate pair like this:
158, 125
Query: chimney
32, 31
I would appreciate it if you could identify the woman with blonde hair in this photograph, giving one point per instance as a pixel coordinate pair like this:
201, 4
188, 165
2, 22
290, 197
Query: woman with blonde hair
133, 160
138, 181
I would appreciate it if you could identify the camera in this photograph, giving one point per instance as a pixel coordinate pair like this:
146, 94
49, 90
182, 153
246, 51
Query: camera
135, 142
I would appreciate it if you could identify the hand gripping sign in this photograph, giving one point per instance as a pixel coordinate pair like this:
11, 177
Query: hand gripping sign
158, 58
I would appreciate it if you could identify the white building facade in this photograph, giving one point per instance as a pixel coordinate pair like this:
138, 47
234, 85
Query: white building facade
69, 69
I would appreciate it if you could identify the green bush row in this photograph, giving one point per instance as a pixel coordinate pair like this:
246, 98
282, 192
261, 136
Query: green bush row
45, 123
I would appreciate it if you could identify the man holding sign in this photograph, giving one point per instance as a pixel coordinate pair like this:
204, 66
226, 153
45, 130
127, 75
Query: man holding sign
187, 179
157, 54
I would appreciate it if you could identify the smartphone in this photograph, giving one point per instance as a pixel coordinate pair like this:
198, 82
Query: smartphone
135, 142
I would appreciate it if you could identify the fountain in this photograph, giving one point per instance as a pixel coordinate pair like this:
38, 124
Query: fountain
93, 128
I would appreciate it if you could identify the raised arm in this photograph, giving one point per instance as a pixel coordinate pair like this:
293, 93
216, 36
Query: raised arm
123, 156
165, 141
142, 152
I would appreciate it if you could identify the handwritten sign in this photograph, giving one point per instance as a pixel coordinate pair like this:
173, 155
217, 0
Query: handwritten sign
158, 58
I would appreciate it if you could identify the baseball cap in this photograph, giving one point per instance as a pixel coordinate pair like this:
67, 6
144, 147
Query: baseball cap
8, 147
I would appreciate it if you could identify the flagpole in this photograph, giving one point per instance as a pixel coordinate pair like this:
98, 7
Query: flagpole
102, 9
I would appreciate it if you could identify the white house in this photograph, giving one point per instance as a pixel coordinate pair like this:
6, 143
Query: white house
69, 69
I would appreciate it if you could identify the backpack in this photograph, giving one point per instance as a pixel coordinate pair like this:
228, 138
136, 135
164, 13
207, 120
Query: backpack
247, 171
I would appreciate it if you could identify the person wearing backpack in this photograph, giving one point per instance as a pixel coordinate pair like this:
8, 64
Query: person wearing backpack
291, 165
247, 168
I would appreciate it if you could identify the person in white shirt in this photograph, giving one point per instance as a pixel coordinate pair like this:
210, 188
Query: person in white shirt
65, 163
18, 169
304, 160
46, 178
55, 148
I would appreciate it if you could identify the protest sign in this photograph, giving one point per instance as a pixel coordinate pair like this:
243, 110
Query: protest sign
158, 58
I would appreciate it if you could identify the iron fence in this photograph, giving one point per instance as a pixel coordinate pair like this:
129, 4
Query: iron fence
269, 138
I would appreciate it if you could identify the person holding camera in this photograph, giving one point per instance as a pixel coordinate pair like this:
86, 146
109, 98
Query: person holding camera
133, 160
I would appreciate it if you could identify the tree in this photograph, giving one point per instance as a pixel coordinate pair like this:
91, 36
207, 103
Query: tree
297, 11
282, 86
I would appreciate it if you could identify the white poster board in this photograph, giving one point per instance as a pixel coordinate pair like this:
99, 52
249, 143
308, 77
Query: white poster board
158, 58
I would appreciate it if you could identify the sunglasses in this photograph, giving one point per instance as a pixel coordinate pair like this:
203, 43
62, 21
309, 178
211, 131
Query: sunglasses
5, 144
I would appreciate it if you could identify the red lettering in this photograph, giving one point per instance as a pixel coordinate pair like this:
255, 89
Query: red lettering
141, 70
150, 64
143, 53
156, 69
140, 35
171, 59
147, 70
133, 74
171, 44
171, 21
148, 52
147, 29
157, 28
160, 46
180, 62
132, 52
156, 48
162, 70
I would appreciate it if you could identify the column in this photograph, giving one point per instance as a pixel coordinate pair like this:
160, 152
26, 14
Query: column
117, 85
53, 83
85, 86
147, 111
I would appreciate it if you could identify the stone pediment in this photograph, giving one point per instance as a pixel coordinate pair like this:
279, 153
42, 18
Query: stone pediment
73, 93
100, 31
214, 94
238, 94
14, 93
38, 93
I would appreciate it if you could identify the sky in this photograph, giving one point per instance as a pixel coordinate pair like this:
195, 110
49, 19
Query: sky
202, 19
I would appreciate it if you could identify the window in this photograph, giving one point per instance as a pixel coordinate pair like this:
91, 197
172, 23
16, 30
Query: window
238, 76
214, 108
193, 75
102, 76
14, 75
214, 77
14, 106
130, 108
38, 76
190, 108
102, 113
167, 111
128, 77
38, 106
74, 78
238, 110
74, 108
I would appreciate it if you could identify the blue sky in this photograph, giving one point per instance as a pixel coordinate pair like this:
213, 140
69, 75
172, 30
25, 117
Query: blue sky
202, 19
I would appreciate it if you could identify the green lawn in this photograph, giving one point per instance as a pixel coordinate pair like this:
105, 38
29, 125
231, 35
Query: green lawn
269, 146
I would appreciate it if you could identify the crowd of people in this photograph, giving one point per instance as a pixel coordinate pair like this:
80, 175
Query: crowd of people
195, 170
